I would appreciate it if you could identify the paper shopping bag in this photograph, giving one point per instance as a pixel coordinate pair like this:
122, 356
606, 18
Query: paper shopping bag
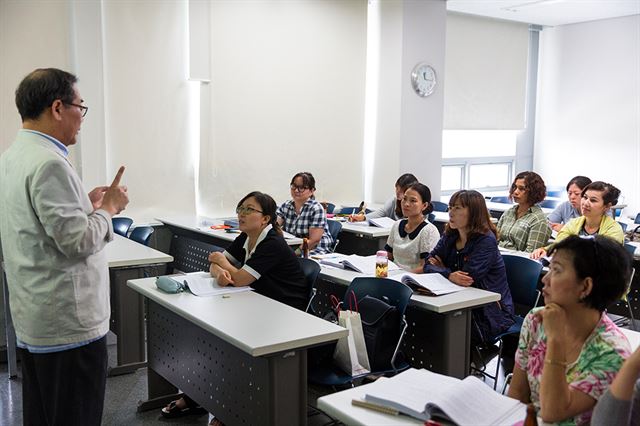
351, 352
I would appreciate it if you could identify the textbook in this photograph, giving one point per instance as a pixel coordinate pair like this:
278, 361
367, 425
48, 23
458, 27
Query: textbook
425, 395
382, 222
363, 264
433, 284
203, 284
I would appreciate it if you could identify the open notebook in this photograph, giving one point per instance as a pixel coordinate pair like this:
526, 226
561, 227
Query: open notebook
203, 284
424, 395
431, 284
363, 264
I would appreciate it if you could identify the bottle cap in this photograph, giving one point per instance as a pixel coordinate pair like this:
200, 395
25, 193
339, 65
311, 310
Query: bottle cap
381, 253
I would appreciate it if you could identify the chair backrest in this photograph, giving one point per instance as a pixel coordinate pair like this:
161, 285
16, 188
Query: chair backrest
557, 192
311, 270
121, 225
637, 219
141, 234
330, 207
431, 218
439, 206
334, 229
349, 210
631, 249
550, 203
623, 226
501, 199
391, 291
523, 275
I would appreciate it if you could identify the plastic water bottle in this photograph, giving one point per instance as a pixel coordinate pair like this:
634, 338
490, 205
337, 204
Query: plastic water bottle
382, 264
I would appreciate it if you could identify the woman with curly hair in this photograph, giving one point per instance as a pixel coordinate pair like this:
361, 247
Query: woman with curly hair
524, 227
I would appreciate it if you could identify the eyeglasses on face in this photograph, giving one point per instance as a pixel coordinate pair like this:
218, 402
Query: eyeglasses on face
297, 188
246, 210
83, 108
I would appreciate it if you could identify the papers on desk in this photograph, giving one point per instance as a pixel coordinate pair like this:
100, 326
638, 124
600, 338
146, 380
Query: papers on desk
432, 284
363, 264
203, 284
425, 395
288, 236
382, 222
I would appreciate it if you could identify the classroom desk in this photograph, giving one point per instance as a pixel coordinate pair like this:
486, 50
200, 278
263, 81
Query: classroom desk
338, 405
439, 333
358, 238
127, 260
242, 357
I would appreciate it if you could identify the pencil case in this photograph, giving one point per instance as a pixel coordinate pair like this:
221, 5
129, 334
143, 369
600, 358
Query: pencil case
169, 285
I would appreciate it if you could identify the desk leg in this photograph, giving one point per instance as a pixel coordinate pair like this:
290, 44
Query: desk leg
127, 318
10, 331
160, 392
457, 343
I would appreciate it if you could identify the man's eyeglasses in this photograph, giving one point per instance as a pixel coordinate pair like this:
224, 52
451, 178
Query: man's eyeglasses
246, 210
299, 188
83, 108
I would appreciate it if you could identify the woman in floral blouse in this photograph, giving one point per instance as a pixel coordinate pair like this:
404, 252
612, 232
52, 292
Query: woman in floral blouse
570, 351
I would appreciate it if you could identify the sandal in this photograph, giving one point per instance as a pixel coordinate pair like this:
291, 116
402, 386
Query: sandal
173, 411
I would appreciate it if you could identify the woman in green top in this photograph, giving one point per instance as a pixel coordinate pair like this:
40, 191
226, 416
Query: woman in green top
597, 199
524, 227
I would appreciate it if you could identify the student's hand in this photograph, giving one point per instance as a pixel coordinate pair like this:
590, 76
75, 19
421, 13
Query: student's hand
556, 226
436, 261
115, 198
222, 276
554, 318
96, 196
216, 257
360, 217
461, 278
538, 253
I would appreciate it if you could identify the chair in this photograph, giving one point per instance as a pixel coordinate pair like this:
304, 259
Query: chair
330, 208
550, 203
624, 307
349, 210
390, 291
439, 206
311, 270
121, 225
334, 229
141, 234
522, 276
501, 199
556, 193
623, 226
637, 219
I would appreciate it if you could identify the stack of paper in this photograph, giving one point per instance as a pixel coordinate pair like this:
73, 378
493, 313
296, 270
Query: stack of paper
203, 284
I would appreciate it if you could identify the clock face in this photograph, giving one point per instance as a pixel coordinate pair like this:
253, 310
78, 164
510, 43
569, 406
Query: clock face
423, 79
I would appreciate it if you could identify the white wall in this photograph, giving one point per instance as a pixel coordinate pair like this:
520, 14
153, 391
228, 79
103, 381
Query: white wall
588, 115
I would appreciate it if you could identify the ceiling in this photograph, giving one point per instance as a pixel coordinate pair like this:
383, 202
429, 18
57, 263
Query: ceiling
547, 12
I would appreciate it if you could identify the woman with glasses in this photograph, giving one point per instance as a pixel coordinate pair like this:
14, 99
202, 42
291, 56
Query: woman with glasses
524, 227
569, 350
568, 210
259, 257
412, 239
597, 199
393, 207
468, 255
304, 217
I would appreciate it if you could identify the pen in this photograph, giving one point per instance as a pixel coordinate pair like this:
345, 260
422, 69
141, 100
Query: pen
375, 407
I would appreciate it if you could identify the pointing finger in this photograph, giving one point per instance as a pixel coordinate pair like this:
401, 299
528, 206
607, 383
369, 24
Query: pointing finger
116, 180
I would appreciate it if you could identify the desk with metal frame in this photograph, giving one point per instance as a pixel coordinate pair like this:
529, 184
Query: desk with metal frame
241, 356
439, 333
127, 260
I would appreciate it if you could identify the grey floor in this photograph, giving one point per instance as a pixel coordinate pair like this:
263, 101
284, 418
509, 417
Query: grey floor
124, 392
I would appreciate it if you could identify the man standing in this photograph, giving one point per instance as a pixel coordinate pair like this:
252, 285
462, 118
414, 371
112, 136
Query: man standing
53, 234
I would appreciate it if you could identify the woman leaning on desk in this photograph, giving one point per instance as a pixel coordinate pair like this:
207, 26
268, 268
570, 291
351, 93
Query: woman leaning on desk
259, 257
304, 217
410, 240
569, 351
393, 207
568, 210
597, 199
524, 227
468, 255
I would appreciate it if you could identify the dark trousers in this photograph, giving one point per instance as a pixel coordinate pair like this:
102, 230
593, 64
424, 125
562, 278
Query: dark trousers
64, 388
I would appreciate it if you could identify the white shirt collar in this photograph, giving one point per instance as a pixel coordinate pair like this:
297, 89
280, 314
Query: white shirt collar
261, 237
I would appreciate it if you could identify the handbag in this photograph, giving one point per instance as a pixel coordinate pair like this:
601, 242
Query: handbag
351, 351
381, 326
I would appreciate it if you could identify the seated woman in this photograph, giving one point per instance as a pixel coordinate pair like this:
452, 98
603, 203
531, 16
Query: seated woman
569, 350
597, 199
524, 227
393, 207
259, 257
568, 210
620, 404
468, 255
304, 217
411, 239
